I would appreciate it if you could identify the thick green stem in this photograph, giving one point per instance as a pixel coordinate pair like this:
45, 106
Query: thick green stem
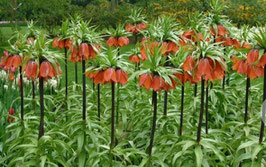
181, 110
117, 103
41, 130
165, 103
84, 90
153, 122
206, 107
76, 73
262, 126
99, 101
195, 90
223, 82
113, 116
21, 94
66, 75
201, 111
246, 103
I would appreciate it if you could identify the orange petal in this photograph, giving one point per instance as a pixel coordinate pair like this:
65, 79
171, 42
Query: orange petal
156, 83
108, 74
252, 56
55, 42
111, 41
122, 41
44, 69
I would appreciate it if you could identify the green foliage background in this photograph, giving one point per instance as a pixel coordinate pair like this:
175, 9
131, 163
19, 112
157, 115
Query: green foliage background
50, 13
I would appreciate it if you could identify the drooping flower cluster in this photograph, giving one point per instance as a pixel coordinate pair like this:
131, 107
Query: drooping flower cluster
155, 82
61, 43
252, 65
117, 41
83, 51
10, 63
205, 67
109, 75
136, 28
48, 70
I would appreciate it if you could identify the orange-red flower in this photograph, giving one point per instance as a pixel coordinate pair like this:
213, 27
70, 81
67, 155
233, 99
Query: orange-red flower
136, 28
121, 41
130, 28
205, 69
84, 51
192, 35
140, 27
109, 75
65, 43
188, 63
150, 46
48, 71
171, 47
249, 66
10, 112
262, 61
31, 70
184, 77
252, 56
112, 42
134, 59
155, 82
121, 77
221, 31
11, 76
11, 62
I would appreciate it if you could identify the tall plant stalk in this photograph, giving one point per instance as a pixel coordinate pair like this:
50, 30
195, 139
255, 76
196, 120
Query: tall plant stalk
153, 122
201, 110
165, 103
223, 82
195, 90
41, 130
117, 103
76, 73
246, 103
99, 101
182, 110
262, 126
83, 91
33, 89
66, 76
33, 94
206, 108
21, 94
113, 116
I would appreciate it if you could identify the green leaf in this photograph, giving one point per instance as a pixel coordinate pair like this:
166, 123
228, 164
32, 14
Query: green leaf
199, 155
82, 159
